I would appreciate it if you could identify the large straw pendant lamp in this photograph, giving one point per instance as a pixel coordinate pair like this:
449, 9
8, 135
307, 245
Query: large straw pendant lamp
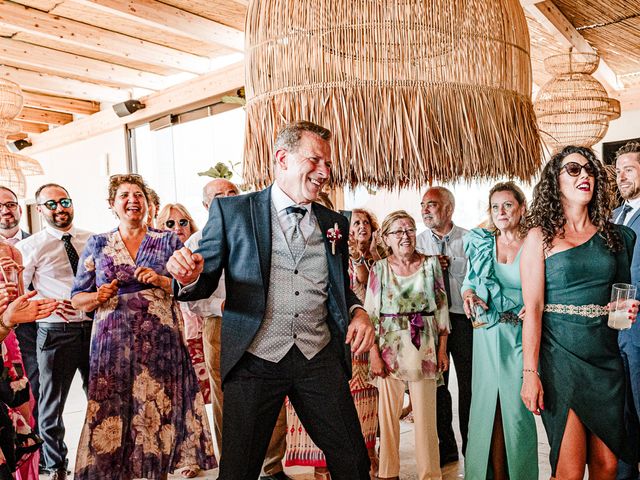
413, 91
573, 108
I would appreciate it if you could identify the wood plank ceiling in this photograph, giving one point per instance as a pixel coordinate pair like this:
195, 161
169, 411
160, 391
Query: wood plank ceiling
73, 56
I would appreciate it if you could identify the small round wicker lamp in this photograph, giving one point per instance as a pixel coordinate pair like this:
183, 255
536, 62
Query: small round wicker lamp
573, 108
413, 90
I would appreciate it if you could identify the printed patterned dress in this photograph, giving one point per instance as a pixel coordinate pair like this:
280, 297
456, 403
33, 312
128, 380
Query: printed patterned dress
301, 450
145, 417
406, 336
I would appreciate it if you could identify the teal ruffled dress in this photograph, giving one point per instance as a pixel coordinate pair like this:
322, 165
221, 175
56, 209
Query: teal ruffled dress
580, 364
497, 364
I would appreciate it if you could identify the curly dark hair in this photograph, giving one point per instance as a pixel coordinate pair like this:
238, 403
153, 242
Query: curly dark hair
546, 209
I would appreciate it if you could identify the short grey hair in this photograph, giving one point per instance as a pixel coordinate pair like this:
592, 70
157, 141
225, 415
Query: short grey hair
289, 136
446, 193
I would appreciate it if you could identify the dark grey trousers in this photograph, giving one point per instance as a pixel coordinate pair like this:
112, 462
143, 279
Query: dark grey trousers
318, 389
63, 348
460, 347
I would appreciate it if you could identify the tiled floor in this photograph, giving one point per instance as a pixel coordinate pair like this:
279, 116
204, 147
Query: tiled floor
76, 405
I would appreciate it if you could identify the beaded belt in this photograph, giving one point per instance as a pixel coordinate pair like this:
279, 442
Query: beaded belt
589, 311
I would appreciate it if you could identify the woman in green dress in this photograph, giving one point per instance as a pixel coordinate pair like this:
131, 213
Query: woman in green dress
572, 369
502, 432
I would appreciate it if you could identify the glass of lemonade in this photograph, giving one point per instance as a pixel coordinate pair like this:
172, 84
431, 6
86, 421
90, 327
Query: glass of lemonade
621, 294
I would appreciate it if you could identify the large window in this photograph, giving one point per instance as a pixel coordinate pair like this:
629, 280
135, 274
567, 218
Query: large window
170, 158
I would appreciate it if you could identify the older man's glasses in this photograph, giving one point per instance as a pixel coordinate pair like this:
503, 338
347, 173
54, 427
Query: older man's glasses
574, 169
52, 204
183, 222
409, 232
9, 205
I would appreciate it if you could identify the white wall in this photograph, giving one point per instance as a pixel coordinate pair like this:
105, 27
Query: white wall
83, 168
627, 126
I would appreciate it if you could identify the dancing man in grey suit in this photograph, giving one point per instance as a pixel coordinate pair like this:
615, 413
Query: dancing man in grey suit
289, 313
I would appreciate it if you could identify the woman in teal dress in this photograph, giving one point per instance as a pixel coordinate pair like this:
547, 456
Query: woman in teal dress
572, 369
502, 432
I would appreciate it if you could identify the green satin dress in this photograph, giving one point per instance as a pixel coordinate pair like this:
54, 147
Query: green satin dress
497, 365
580, 363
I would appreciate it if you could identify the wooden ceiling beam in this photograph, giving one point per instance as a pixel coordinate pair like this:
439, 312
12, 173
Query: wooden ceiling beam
48, 117
204, 89
56, 85
30, 127
168, 19
17, 136
562, 29
46, 60
70, 33
60, 104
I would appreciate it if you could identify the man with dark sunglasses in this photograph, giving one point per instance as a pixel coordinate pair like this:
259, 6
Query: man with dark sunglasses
50, 259
628, 180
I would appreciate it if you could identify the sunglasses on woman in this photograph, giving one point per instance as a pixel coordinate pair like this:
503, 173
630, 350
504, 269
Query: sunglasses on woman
574, 169
52, 204
183, 222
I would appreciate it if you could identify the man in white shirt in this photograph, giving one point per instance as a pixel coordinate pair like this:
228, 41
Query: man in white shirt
443, 238
210, 309
50, 259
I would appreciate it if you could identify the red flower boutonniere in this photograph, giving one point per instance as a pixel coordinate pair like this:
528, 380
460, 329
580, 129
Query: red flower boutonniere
333, 235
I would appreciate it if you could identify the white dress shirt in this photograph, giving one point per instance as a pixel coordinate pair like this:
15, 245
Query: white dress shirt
212, 305
634, 204
429, 243
47, 267
281, 201
15, 239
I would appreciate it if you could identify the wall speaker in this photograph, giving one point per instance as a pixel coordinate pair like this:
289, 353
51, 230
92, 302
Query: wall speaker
18, 145
127, 108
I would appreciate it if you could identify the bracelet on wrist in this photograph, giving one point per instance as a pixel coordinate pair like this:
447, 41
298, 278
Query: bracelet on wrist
530, 370
5, 326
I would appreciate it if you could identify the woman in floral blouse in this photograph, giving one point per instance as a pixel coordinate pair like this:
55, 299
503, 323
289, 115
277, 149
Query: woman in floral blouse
407, 303
145, 416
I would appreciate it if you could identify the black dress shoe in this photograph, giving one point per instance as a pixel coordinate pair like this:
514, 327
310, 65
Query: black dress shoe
275, 476
451, 457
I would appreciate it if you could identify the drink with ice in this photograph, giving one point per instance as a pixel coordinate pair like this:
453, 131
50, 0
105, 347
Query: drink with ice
619, 319
621, 296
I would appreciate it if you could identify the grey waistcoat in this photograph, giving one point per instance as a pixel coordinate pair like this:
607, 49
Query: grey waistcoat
296, 310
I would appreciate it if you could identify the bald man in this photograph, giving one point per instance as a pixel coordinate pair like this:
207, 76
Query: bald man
210, 309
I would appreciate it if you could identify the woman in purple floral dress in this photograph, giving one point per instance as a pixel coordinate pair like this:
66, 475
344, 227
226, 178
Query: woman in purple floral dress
145, 416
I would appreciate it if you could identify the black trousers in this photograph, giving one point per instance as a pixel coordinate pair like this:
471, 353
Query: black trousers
63, 348
460, 348
318, 389
27, 333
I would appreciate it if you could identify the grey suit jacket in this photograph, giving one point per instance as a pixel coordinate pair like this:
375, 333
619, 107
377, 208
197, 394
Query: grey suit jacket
237, 239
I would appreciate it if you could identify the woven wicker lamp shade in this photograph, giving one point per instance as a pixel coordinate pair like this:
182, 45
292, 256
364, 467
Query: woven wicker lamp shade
413, 91
13, 167
10, 99
573, 108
